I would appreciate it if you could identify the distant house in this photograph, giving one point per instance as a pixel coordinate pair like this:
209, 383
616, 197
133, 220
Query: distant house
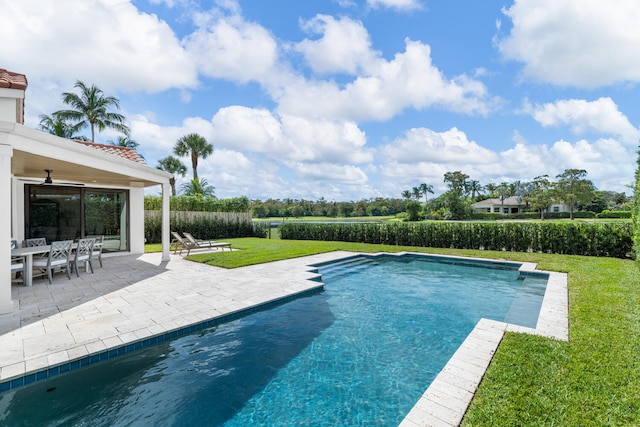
511, 205
63, 189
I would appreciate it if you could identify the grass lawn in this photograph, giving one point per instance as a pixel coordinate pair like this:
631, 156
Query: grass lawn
592, 380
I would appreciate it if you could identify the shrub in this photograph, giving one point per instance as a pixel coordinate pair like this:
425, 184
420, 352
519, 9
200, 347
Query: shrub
614, 214
576, 238
205, 228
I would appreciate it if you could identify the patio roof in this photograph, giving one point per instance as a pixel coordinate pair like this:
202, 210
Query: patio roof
35, 151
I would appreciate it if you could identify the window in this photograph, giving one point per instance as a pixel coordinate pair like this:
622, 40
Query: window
61, 213
496, 209
556, 208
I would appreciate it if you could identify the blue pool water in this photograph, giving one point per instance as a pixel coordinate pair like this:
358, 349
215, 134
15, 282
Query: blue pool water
360, 353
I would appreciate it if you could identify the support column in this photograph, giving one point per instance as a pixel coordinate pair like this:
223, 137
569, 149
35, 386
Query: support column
6, 305
166, 194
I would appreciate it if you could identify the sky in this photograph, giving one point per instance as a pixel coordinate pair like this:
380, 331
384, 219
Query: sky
348, 99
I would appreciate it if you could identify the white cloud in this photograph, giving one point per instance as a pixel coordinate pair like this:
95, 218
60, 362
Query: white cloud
290, 138
106, 42
384, 90
403, 5
345, 45
584, 43
231, 48
601, 115
426, 145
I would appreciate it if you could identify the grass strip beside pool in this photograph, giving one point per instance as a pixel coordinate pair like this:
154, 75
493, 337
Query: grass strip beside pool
592, 380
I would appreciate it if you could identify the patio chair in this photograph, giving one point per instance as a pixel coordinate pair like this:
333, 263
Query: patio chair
178, 242
97, 249
206, 243
83, 254
59, 257
36, 241
17, 264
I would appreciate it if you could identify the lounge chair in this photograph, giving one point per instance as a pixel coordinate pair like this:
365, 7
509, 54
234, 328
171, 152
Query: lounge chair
206, 243
178, 242
59, 256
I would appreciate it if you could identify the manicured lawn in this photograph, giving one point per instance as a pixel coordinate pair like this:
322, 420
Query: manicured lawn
592, 380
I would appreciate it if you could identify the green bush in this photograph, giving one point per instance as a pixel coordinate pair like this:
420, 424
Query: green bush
575, 238
205, 228
198, 204
614, 214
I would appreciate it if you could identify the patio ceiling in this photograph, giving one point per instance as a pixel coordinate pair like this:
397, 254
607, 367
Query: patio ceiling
33, 166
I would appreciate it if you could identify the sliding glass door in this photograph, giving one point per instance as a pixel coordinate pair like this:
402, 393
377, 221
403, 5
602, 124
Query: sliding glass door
61, 213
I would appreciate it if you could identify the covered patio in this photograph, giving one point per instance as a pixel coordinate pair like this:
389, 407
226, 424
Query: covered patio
27, 154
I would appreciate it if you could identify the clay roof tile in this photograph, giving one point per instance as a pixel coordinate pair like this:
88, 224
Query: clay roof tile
124, 152
12, 80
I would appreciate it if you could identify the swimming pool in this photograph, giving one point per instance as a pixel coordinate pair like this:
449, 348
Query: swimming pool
280, 366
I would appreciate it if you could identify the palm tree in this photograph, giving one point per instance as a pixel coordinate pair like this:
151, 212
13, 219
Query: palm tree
407, 194
91, 108
174, 166
124, 141
416, 192
197, 188
424, 189
195, 146
474, 188
57, 126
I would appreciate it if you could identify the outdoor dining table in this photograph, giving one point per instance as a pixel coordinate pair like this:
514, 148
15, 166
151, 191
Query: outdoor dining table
28, 254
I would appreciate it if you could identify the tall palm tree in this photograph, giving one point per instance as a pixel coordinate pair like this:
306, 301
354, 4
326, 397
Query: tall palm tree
57, 126
474, 188
407, 194
91, 108
424, 189
195, 146
197, 187
174, 166
416, 192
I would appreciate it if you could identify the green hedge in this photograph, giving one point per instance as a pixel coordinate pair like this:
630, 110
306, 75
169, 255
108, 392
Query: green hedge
614, 214
205, 228
532, 215
593, 239
198, 204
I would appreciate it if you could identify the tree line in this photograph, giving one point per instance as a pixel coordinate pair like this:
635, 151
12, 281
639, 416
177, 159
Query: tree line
571, 187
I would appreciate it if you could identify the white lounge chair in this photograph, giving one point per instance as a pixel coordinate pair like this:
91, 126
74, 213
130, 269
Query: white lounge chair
178, 242
206, 243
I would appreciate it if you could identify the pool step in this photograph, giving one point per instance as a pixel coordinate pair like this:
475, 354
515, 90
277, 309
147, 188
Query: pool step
526, 305
348, 266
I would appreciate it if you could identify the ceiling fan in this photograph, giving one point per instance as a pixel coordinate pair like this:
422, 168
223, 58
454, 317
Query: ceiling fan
49, 181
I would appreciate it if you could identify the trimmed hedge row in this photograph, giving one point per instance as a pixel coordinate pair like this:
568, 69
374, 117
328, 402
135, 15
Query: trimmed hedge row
198, 204
204, 228
592, 239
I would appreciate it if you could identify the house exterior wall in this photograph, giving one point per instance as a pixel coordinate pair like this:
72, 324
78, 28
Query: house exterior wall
11, 105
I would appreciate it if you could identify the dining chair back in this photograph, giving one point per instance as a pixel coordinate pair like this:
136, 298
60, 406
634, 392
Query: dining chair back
83, 254
97, 248
59, 257
36, 241
17, 264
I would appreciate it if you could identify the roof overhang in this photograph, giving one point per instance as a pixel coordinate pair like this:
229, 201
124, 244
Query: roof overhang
34, 151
